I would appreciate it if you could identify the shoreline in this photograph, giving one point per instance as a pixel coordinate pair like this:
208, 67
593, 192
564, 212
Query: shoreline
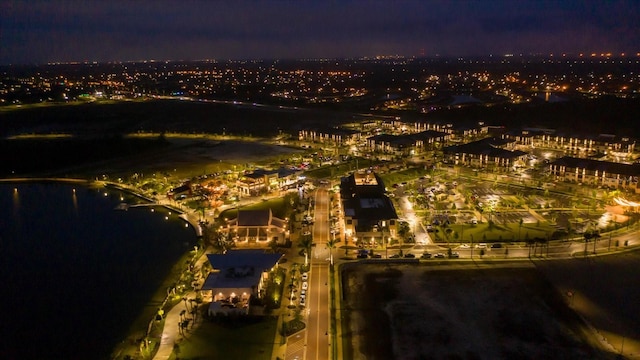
111, 185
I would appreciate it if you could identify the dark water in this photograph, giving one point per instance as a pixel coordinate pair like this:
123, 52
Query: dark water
75, 272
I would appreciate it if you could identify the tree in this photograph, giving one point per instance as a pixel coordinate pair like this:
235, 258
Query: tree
273, 245
448, 232
587, 236
331, 244
520, 228
306, 242
403, 230
530, 242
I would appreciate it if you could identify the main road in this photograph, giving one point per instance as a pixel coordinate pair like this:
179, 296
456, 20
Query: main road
318, 324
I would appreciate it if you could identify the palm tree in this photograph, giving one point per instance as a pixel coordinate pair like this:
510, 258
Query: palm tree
305, 242
403, 230
273, 245
520, 228
331, 244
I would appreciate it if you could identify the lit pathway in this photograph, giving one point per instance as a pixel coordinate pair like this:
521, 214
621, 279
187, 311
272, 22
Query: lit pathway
171, 331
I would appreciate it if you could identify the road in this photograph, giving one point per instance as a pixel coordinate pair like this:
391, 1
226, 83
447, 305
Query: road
318, 313
318, 299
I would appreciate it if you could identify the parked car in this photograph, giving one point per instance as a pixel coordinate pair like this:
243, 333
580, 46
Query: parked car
464, 246
302, 301
481, 246
409, 256
376, 256
426, 256
496, 246
455, 255
305, 276
394, 256
305, 285
439, 256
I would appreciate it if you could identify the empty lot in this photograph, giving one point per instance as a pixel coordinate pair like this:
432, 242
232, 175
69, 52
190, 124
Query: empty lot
460, 312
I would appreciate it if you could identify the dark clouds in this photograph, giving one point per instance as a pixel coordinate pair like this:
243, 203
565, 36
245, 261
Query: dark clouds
43, 31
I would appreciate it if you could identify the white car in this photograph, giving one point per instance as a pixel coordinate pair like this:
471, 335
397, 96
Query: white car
464, 246
481, 246
305, 285
305, 276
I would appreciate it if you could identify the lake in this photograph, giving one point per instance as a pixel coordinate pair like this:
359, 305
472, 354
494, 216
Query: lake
75, 271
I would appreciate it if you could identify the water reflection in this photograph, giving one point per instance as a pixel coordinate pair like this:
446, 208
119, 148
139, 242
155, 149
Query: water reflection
16, 204
74, 199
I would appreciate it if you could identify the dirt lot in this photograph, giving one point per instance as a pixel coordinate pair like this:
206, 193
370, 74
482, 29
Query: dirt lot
606, 292
461, 312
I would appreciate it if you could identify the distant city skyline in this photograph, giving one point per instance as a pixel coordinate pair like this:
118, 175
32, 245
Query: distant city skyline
75, 31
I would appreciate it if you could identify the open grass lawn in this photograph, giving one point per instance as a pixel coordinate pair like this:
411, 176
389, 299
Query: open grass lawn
250, 339
279, 207
496, 233
403, 175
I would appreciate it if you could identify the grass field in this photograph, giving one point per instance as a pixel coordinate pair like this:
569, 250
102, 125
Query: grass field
251, 338
493, 233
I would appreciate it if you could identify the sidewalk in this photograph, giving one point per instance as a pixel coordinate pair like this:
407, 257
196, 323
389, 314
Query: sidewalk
171, 333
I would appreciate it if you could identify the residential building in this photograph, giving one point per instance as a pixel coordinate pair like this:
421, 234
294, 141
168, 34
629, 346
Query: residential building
257, 228
595, 172
490, 152
369, 215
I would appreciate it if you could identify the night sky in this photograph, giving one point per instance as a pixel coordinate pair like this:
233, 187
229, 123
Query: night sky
62, 31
